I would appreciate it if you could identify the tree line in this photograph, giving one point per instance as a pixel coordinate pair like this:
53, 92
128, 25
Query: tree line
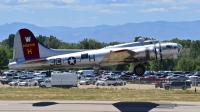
188, 60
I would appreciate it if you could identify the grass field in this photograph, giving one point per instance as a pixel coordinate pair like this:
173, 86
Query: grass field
97, 94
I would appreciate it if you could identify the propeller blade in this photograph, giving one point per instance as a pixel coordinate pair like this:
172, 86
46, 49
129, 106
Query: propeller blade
161, 59
155, 51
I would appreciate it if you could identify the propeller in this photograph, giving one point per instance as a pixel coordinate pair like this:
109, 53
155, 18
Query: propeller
161, 58
155, 51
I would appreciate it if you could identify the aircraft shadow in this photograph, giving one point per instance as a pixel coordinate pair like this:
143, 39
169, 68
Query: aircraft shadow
141, 106
44, 104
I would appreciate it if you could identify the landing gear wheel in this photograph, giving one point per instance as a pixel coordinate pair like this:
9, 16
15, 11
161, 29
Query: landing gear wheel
139, 70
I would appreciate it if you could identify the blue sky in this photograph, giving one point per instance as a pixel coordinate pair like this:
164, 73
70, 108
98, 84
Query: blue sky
85, 13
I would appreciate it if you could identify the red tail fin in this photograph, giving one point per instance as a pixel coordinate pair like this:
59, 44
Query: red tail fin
29, 44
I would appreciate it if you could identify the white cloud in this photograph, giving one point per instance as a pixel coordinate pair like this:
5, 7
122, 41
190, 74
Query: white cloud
122, 5
179, 8
153, 10
22, 1
64, 1
108, 11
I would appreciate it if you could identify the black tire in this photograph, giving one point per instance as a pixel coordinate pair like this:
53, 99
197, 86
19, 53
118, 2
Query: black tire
121, 84
97, 84
87, 83
184, 88
103, 84
35, 84
166, 87
16, 84
139, 70
43, 86
26, 84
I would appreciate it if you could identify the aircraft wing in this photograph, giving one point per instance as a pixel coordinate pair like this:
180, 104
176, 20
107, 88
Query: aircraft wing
118, 56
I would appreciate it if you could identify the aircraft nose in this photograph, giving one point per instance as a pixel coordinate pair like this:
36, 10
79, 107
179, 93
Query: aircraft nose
179, 47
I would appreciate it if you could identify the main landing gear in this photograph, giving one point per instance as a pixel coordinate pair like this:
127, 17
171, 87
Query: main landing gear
139, 70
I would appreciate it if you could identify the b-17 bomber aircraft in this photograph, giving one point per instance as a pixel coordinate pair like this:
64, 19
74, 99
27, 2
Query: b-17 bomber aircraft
28, 53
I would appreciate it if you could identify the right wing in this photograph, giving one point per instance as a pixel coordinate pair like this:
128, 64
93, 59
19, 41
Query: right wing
118, 56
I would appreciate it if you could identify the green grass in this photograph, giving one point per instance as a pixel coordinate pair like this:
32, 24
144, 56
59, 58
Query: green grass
97, 94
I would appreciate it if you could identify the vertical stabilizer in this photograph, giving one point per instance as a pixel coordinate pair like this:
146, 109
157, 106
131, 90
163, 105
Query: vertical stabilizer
25, 45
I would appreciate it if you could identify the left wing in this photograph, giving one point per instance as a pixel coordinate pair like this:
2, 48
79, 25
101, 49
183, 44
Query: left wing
118, 56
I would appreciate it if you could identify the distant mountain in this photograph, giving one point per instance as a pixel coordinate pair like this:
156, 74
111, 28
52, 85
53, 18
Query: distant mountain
160, 30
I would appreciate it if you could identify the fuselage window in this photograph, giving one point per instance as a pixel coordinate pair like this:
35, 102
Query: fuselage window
84, 56
175, 47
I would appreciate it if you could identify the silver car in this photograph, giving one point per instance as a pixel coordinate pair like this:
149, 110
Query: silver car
28, 82
15, 82
87, 81
101, 82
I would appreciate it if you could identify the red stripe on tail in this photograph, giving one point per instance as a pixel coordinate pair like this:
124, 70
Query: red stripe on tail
29, 44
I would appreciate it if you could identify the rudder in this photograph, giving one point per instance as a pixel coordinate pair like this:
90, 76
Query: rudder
28, 44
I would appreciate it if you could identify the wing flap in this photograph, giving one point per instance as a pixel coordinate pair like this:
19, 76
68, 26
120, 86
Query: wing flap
118, 56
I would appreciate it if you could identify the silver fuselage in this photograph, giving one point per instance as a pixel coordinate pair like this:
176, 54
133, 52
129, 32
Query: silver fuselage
101, 57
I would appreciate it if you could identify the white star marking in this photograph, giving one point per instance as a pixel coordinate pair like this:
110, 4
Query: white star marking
71, 61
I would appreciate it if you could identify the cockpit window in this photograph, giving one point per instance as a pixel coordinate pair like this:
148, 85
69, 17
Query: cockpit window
168, 46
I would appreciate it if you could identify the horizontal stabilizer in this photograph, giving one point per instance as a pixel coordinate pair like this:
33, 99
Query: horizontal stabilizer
35, 61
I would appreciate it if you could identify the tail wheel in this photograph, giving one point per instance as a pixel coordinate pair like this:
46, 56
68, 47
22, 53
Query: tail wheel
139, 70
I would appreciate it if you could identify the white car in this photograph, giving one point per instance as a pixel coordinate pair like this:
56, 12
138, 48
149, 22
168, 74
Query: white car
15, 82
28, 82
101, 82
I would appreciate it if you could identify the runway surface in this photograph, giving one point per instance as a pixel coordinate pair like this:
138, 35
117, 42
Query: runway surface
97, 106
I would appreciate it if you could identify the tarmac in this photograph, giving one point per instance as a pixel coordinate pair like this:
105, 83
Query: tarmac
97, 106
100, 106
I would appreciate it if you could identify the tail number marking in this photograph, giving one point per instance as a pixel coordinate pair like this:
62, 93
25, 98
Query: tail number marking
56, 61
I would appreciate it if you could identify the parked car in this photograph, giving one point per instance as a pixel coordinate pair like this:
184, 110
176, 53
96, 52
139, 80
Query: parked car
28, 82
125, 77
7, 75
178, 85
101, 82
87, 81
183, 78
172, 77
111, 81
6, 80
15, 82
121, 82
